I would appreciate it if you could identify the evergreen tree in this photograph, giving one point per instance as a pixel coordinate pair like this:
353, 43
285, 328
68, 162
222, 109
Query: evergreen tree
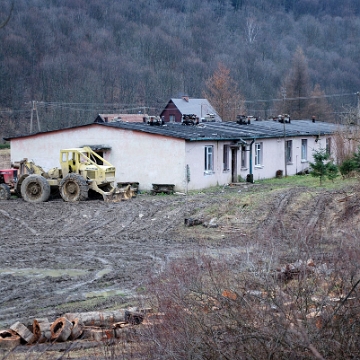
350, 164
322, 166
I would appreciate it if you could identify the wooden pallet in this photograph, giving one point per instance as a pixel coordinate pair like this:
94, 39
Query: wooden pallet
162, 188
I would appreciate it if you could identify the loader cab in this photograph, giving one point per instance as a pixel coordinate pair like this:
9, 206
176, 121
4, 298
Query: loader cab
68, 162
87, 163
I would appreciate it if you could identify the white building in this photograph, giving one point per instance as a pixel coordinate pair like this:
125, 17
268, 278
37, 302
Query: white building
190, 157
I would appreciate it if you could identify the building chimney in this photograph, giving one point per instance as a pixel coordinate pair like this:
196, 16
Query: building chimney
313, 119
186, 98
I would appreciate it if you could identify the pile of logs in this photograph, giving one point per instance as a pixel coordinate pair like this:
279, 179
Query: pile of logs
92, 326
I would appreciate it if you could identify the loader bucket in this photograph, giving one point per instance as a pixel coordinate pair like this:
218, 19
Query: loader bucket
116, 194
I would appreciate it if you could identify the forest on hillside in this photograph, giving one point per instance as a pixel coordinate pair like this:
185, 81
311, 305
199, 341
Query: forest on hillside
77, 58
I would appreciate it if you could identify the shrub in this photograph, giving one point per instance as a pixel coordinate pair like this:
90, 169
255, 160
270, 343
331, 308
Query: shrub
348, 166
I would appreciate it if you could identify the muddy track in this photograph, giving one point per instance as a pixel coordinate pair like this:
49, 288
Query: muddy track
57, 257
80, 256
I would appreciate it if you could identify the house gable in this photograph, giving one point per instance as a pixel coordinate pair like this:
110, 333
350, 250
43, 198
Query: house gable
171, 113
199, 107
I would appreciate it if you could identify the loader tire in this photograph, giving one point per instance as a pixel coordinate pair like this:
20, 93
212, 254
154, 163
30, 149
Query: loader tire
19, 183
35, 189
74, 188
4, 192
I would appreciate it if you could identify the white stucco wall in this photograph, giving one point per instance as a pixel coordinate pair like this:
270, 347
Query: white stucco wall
195, 158
273, 151
137, 156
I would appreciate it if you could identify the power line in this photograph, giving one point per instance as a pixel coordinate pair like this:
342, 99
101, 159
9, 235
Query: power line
302, 98
90, 107
75, 106
86, 104
13, 111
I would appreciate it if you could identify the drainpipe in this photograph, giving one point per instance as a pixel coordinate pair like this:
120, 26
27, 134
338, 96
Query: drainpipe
250, 177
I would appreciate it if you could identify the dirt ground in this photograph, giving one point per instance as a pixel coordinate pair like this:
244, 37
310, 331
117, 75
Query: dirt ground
57, 257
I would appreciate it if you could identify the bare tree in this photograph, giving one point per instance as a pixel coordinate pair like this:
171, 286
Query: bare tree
223, 94
319, 107
295, 88
4, 23
251, 30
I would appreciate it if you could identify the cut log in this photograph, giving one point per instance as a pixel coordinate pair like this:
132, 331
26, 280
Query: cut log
41, 330
9, 339
23, 332
97, 318
120, 329
61, 329
76, 330
95, 333
134, 318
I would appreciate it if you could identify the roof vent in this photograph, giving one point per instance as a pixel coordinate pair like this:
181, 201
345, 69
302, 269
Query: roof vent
243, 120
155, 121
285, 118
209, 118
189, 119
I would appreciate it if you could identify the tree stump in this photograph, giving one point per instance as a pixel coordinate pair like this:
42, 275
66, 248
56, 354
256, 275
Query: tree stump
77, 329
9, 339
23, 331
41, 330
61, 329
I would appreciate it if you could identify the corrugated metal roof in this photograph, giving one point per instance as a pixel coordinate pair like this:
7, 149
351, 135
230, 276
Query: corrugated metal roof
234, 131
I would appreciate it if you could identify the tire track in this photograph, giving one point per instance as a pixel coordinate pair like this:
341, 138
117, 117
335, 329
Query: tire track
16, 220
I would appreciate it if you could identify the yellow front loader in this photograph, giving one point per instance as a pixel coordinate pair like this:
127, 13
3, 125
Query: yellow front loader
81, 170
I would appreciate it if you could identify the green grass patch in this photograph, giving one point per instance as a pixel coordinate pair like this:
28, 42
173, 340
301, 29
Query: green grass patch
308, 181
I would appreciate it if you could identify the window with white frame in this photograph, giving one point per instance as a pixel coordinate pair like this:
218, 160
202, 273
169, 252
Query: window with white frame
172, 118
226, 157
209, 159
243, 157
258, 154
303, 149
288, 152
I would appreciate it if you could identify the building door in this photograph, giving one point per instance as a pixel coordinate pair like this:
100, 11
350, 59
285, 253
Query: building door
234, 165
